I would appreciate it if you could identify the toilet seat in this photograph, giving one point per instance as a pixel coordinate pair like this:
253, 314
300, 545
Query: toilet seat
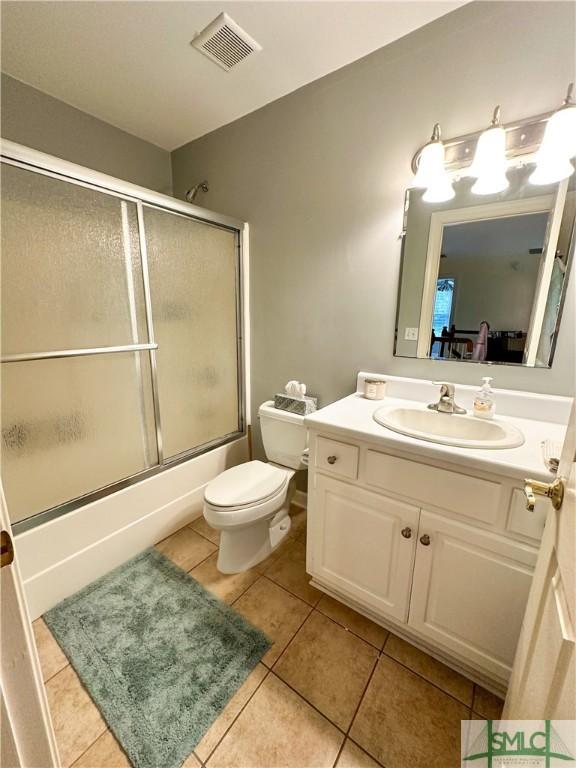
245, 494
246, 484
223, 518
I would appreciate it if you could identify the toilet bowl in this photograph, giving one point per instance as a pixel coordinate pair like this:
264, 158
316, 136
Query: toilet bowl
249, 504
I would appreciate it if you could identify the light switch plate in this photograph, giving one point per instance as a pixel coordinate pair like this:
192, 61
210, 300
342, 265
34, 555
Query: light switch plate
411, 334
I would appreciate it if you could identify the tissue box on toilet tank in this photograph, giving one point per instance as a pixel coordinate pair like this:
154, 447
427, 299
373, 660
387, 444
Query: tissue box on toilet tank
301, 406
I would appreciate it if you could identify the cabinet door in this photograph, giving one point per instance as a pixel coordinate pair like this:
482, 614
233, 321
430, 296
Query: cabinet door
356, 545
469, 591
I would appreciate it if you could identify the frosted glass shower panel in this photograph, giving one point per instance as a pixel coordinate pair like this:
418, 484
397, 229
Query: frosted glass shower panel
71, 268
89, 276
193, 285
72, 426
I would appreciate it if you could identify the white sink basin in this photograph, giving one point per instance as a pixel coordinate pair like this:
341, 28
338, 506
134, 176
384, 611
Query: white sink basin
449, 428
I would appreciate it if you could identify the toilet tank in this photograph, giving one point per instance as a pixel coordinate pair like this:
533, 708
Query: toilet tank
284, 435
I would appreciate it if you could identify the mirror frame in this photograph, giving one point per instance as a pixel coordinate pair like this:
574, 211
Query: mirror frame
524, 206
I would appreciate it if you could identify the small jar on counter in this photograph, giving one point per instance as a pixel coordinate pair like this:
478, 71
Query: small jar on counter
374, 389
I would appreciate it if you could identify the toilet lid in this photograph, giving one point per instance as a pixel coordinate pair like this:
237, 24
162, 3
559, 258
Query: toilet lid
245, 484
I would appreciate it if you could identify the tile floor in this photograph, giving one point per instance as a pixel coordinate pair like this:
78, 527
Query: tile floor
335, 689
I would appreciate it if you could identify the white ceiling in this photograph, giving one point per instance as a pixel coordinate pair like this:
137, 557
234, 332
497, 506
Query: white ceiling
131, 63
508, 236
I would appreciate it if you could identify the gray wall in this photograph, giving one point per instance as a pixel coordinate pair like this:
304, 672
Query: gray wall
320, 175
33, 118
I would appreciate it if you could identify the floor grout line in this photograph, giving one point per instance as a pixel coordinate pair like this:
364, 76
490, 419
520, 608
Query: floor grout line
309, 703
282, 557
370, 676
263, 576
55, 673
311, 605
95, 740
191, 526
237, 596
289, 643
356, 744
242, 708
352, 631
197, 564
426, 679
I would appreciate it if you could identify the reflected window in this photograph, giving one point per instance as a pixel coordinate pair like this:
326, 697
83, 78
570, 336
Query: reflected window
442, 316
443, 304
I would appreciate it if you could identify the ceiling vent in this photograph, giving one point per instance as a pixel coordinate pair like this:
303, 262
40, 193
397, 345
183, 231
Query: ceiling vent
225, 42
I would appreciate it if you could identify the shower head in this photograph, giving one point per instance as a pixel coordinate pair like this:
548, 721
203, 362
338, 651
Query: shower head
193, 191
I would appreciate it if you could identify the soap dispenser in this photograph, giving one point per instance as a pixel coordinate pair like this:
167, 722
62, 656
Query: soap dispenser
484, 404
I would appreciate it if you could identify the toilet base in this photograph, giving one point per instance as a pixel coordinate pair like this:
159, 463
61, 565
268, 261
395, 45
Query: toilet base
246, 547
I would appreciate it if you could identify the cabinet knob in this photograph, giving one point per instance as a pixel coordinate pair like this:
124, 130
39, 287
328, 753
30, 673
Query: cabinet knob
425, 540
332, 459
407, 533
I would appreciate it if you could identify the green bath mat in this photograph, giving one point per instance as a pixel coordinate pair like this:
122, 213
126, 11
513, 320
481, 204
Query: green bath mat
159, 655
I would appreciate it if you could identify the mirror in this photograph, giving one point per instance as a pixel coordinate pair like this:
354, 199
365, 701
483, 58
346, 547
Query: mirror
483, 277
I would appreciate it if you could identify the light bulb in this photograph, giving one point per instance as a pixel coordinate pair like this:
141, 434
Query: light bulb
551, 171
562, 129
430, 170
431, 174
558, 146
489, 165
490, 184
490, 155
430, 165
440, 191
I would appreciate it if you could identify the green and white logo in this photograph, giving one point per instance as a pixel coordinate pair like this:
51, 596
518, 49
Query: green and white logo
517, 743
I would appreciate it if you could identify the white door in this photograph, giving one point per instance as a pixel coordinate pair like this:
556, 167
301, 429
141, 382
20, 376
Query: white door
542, 685
469, 591
27, 735
362, 544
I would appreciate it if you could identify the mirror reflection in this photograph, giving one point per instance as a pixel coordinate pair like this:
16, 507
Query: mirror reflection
483, 277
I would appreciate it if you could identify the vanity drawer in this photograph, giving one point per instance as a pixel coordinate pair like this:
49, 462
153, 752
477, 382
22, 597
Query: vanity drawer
469, 496
336, 457
524, 522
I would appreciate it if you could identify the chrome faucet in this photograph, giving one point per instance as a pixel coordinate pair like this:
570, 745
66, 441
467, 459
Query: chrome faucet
446, 403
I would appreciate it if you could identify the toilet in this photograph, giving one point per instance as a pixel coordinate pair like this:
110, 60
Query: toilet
249, 504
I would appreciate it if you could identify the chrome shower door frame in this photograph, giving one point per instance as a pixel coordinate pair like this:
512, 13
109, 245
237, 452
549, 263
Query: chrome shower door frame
47, 165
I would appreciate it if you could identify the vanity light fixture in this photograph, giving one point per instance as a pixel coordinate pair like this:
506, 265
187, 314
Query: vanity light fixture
547, 139
558, 146
489, 165
430, 173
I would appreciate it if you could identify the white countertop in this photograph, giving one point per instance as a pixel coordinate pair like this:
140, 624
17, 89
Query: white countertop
352, 416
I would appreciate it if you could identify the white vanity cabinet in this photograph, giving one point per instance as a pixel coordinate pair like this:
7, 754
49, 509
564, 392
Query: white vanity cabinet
441, 555
469, 591
364, 544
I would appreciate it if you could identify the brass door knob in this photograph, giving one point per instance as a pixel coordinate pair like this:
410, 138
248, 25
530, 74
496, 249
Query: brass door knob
407, 533
425, 540
554, 491
332, 459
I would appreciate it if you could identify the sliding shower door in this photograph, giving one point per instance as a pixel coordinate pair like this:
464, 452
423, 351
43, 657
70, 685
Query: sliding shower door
72, 421
120, 343
193, 284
